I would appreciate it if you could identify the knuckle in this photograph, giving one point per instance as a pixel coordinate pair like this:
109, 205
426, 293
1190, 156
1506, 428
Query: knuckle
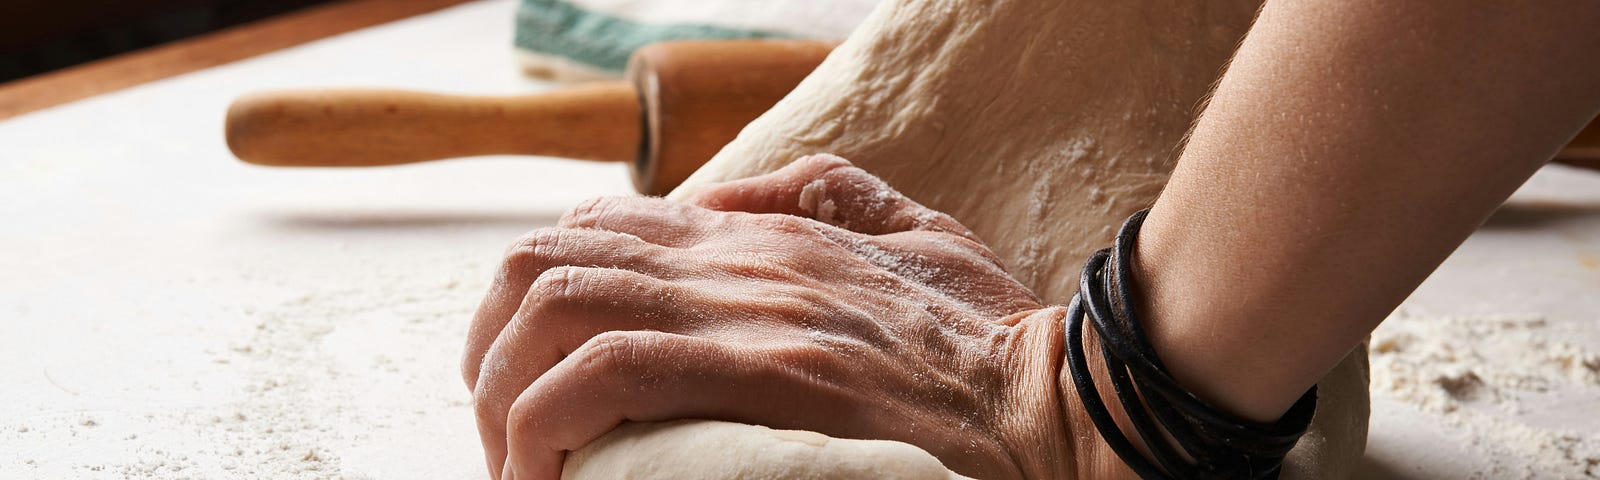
791, 305
827, 161
586, 210
785, 224
551, 305
523, 420
810, 356
753, 266
612, 352
936, 221
813, 363
972, 249
586, 214
494, 389
493, 411
948, 249
534, 249
857, 179
557, 286
485, 404
592, 213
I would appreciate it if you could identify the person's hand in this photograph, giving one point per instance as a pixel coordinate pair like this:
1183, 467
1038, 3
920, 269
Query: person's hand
827, 302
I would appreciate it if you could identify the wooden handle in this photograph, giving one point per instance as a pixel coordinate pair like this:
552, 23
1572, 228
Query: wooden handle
698, 95
359, 128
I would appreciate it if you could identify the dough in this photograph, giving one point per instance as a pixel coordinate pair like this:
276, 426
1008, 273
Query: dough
1039, 124
701, 449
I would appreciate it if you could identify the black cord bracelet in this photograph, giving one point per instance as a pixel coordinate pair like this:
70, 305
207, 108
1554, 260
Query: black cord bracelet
1220, 445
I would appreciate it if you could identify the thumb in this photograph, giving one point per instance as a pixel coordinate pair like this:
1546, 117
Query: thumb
828, 189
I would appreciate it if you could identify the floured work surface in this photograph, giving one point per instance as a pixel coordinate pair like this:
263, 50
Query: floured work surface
1492, 368
166, 312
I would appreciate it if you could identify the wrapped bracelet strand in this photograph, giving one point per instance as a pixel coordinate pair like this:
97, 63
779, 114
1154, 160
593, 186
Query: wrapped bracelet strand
1218, 445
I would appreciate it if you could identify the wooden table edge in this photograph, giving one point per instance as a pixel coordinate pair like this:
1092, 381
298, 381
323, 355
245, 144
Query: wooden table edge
232, 44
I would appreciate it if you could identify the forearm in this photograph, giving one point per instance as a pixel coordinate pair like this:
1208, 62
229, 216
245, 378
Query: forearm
1350, 147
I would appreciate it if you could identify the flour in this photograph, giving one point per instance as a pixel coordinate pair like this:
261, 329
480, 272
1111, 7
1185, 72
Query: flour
815, 201
302, 374
1478, 374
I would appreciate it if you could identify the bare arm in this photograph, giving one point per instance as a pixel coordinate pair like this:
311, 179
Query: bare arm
1349, 148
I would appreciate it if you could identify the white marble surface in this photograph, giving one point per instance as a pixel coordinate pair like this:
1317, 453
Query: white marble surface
1537, 257
166, 312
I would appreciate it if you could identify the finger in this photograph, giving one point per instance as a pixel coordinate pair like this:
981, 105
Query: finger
541, 250
651, 376
564, 308
828, 189
656, 220
775, 192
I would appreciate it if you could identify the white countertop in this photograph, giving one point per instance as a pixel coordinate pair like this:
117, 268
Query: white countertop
168, 312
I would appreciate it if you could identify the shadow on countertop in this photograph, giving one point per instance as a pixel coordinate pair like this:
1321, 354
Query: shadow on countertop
1540, 214
1375, 469
358, 220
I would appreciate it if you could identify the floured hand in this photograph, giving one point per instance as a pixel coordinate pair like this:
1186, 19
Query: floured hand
882, 320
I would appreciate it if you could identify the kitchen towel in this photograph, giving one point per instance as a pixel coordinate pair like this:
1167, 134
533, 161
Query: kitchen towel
575, 40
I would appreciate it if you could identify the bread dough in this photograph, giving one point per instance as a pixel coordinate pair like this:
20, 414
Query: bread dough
702, 449
1039, 124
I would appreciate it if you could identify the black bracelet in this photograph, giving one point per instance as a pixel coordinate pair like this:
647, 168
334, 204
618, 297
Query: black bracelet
1221, 445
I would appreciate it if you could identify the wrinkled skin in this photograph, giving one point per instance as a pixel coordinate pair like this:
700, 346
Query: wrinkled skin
811, 298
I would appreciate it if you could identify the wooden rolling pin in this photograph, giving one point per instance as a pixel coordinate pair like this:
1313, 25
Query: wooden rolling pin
681, 103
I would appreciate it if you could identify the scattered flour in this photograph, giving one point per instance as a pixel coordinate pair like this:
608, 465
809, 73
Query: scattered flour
914, 268
1479, 375
310, 377
1040, 248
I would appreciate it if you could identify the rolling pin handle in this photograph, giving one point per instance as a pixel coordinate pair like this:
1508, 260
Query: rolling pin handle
361, 128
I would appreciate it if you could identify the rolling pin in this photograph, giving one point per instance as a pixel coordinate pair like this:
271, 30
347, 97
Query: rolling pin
682, 101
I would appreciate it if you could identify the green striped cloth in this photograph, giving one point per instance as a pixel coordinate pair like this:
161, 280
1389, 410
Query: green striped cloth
592, 39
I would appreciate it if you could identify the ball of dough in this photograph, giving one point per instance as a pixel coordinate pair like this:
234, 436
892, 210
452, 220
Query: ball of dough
710, 450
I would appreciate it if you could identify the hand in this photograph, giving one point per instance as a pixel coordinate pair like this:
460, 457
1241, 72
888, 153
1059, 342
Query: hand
871, 317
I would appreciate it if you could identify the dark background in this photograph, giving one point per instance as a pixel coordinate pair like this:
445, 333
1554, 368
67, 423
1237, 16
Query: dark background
38, 36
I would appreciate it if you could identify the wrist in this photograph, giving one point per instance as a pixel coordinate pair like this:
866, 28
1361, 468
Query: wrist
1094, 457
1185, 436
1033, 426
1191, 313
1042, 430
